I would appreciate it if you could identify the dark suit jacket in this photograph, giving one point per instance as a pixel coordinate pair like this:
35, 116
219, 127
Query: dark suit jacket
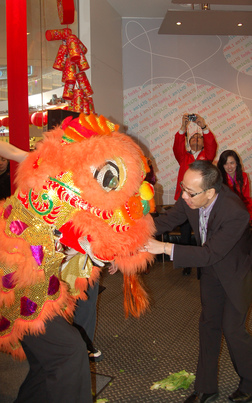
228, 244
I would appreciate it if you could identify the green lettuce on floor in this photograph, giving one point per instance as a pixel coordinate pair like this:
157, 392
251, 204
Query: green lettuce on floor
178, 380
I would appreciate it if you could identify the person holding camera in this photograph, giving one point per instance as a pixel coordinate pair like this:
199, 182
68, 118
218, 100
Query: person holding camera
200, 146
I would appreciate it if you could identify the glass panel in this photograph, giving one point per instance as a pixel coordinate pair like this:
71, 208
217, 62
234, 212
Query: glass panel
45, 85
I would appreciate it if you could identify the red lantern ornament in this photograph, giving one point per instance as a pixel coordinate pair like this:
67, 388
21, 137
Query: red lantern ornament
77, 102
57, 34
86, 109
5, 121
83, 47
82, 63
74, 49
39, 119
65, 11
91, 105
45, 118
63, 78
61, 57
84, 83
68, 91
70, 71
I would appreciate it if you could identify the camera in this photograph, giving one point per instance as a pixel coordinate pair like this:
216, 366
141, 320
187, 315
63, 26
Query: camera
192, 117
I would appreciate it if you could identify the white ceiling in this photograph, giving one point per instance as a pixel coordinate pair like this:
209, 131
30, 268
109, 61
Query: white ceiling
221, 18
158, 8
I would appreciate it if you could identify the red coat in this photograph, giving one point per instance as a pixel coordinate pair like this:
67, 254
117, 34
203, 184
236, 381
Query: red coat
185, 158
245, 194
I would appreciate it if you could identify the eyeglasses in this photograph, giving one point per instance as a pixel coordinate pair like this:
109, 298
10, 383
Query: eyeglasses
196, 136
190, 194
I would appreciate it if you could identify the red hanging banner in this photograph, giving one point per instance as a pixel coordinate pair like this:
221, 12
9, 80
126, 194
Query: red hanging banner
17, 74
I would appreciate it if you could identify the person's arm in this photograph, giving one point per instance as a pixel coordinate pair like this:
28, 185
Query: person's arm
11, 152
210, 144
224, 237
179, 147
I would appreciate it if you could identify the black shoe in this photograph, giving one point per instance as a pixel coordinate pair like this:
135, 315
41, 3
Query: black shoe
187, 271
95, 355
202, 397
238, 396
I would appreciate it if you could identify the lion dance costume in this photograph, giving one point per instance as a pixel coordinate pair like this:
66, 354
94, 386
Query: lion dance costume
83, 187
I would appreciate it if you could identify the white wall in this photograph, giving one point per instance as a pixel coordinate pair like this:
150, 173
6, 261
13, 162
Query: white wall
84, 29
106, 60
166, 76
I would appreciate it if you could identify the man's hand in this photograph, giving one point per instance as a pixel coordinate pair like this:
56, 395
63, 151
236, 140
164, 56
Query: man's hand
157, 247
185, 122
200, 121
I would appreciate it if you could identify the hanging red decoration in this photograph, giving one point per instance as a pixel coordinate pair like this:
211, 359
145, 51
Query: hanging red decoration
71, 60
91, 104
84, 83
5, 121
66, 11
77, 102
60, 60
70, 71
57, 34
86, 108
39, 119
68, 91
73, 47
45, 118
82, 63
83, 47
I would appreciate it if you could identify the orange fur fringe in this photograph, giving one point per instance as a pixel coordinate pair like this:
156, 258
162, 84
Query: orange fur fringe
136, 299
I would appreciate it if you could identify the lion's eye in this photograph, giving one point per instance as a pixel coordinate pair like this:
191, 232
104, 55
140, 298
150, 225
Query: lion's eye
107, 176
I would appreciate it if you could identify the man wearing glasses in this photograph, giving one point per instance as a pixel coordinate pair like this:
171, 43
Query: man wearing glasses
200, 146
220, 222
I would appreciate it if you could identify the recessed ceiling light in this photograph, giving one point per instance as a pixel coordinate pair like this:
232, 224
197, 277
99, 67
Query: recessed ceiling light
178, 23
240, 24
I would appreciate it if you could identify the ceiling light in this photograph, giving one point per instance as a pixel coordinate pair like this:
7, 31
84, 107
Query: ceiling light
207, 23
240, 24
178, 23
205, 6
218, 2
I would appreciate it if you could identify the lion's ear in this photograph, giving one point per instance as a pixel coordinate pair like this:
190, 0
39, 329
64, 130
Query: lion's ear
43, 162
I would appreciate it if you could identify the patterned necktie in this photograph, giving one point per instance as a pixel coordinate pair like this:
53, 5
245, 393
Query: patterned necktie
203, 227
